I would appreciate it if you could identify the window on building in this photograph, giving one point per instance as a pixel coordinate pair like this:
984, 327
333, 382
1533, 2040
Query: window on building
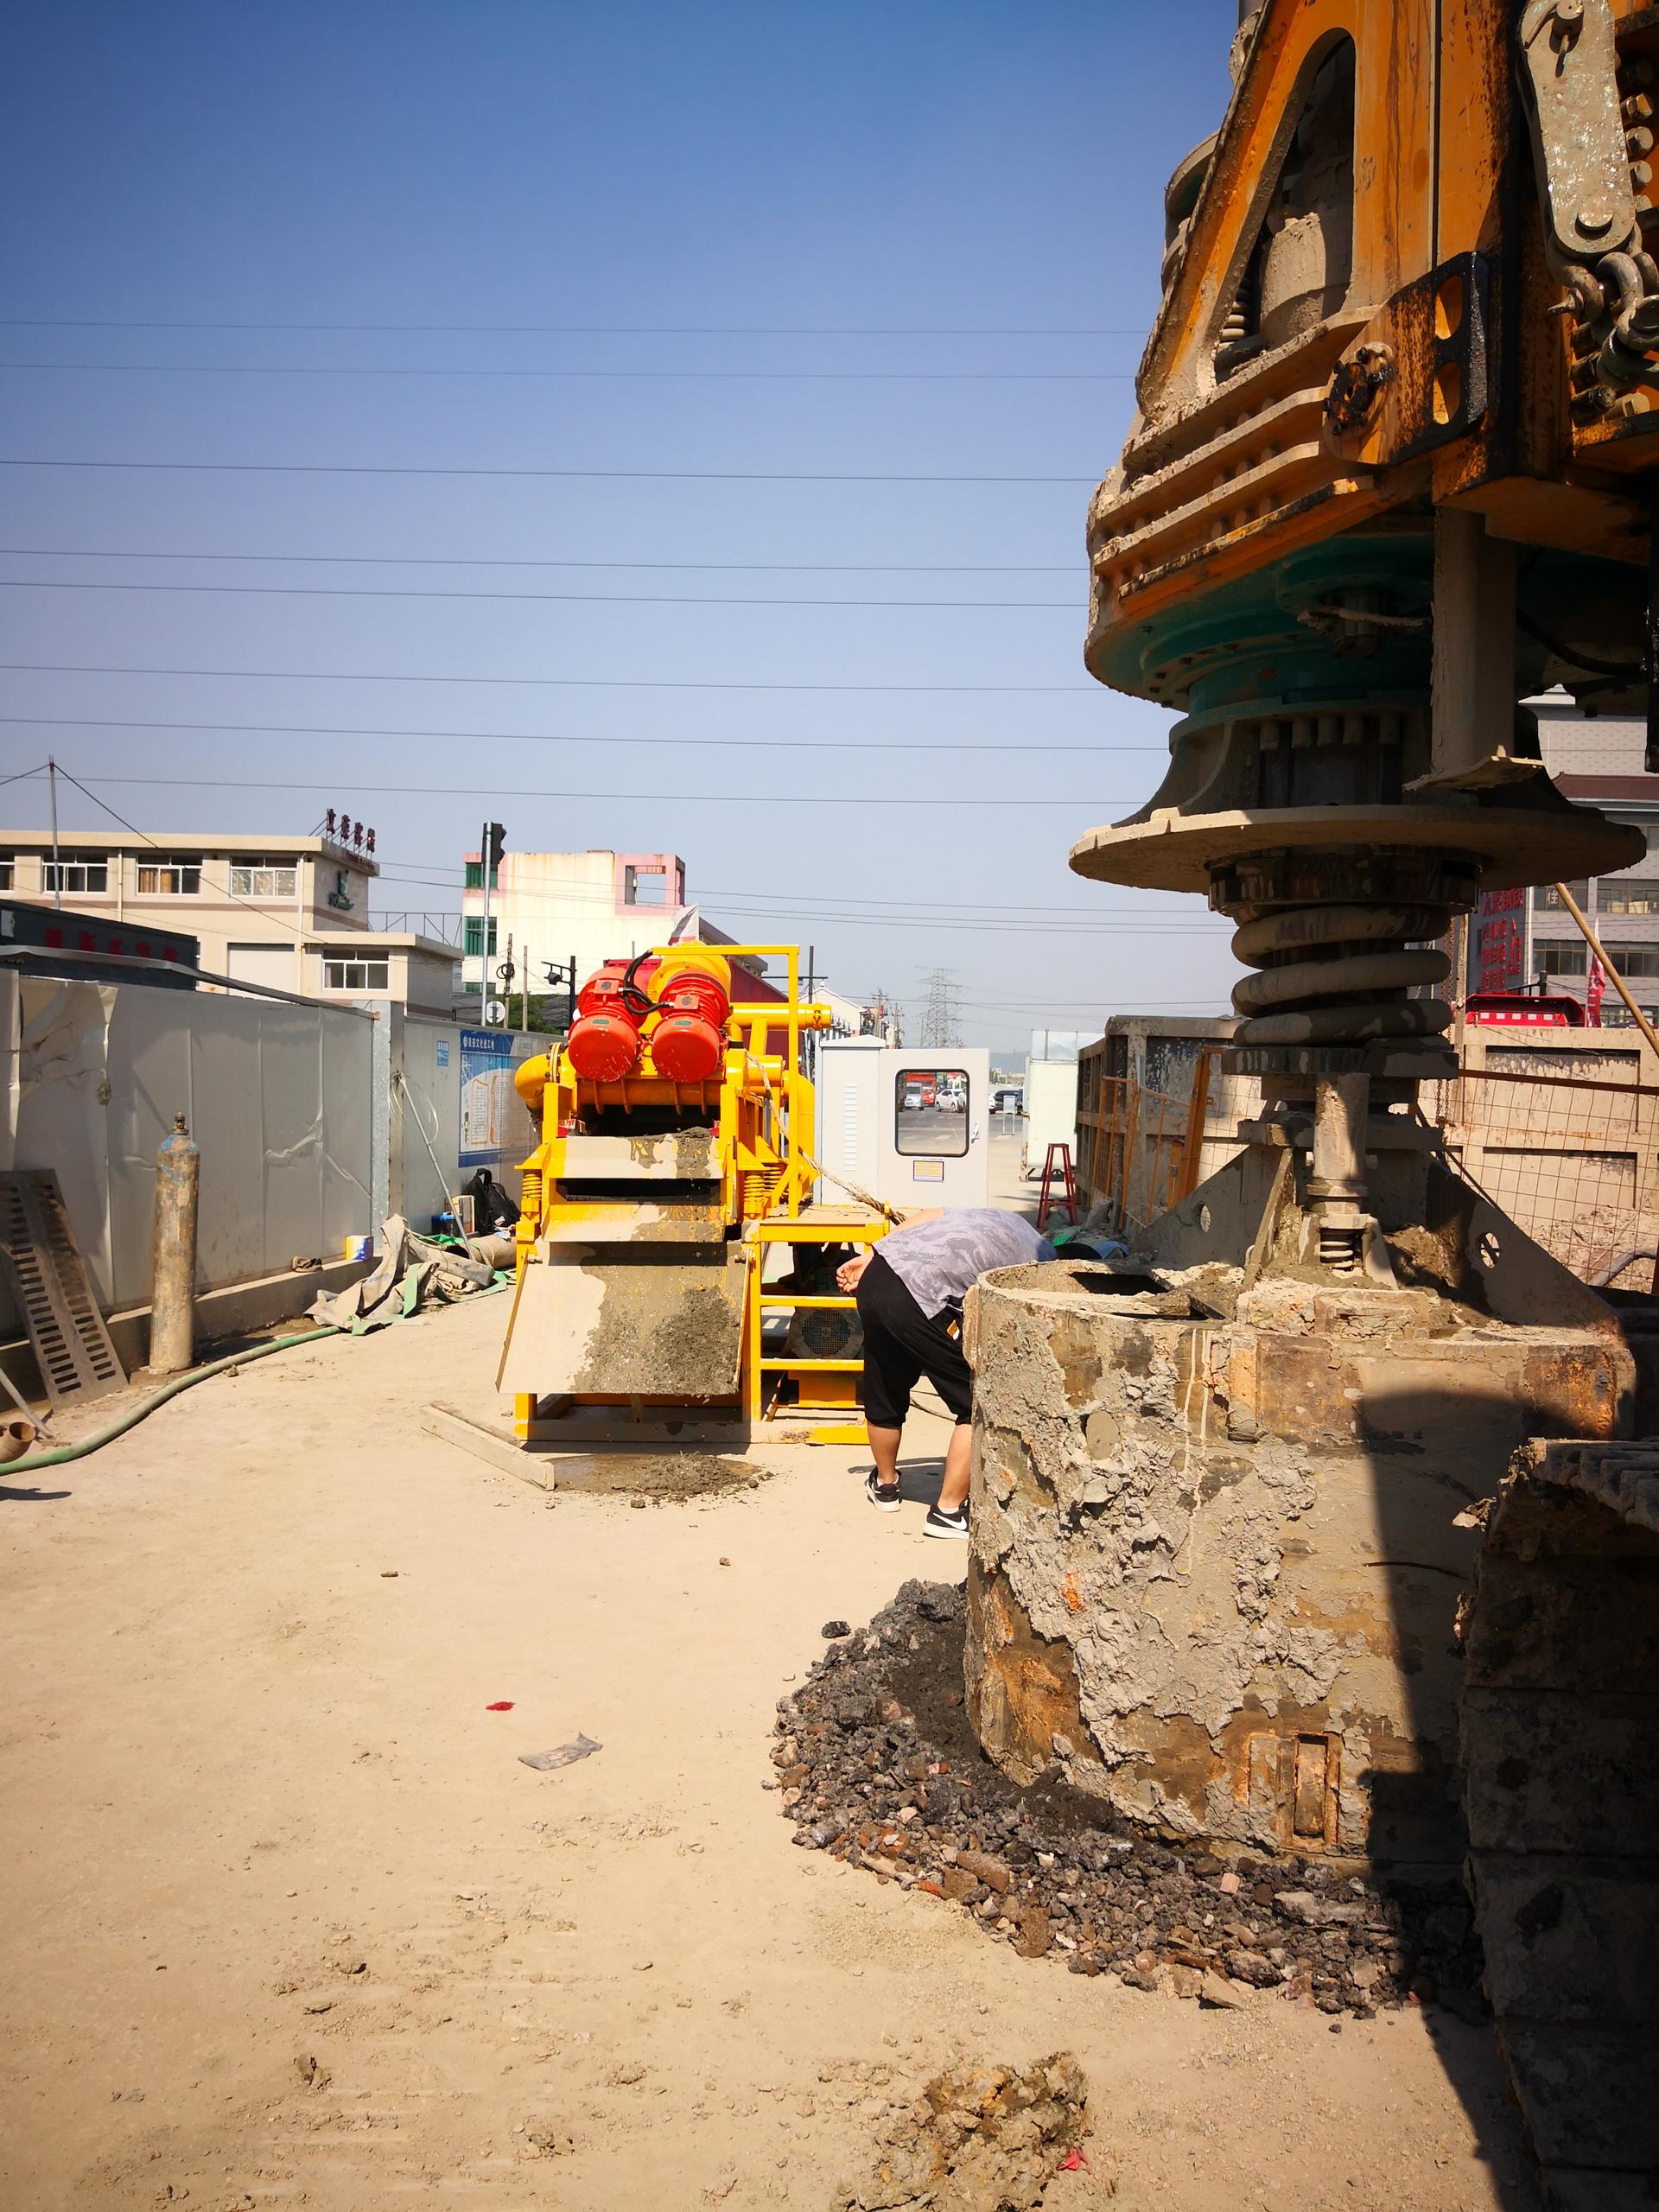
264, 879
475, 876
86, 873
473, 945
931, 1112
355, 974
1634, 960
646, 887
1629, 894
1560, 960
8, 864
170, 878
1548, 899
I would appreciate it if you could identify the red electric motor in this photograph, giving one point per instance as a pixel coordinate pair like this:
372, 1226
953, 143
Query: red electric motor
688, 1043
604, 1041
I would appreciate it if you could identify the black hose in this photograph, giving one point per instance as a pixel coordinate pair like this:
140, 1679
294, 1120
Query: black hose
629, 991
1626, 671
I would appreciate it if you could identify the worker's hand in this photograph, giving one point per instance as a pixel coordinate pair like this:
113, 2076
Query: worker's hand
847, 1273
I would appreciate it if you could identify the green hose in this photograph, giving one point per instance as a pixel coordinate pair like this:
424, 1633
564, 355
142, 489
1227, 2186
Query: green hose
131, 1418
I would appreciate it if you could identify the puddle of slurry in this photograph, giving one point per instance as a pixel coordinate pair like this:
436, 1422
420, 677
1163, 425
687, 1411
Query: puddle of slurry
658, 1477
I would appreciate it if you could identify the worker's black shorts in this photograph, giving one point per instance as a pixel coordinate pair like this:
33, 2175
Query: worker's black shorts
901, 1344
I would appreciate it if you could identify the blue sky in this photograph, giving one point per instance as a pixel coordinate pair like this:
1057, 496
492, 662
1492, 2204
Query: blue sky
660, 204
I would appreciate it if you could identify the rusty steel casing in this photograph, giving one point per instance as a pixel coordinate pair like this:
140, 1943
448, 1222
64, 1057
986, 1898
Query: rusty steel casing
172, 1273
1215, 1571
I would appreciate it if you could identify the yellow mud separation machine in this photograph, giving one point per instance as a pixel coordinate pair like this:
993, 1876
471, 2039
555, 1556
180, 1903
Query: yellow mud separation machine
674, 1279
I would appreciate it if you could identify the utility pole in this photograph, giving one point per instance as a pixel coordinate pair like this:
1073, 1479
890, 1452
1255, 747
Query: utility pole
524, 997
57, 866
489, 853
504, 974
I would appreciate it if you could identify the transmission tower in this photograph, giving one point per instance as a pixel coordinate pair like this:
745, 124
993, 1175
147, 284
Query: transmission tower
940, 1019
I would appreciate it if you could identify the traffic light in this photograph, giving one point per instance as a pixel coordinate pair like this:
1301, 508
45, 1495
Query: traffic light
495, 838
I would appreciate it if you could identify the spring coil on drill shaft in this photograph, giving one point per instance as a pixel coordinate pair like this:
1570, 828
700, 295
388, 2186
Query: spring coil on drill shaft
1337, 942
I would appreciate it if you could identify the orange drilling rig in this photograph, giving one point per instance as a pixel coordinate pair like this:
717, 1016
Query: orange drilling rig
1331, 1527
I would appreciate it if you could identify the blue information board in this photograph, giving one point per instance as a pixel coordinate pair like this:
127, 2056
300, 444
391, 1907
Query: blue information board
489, 1122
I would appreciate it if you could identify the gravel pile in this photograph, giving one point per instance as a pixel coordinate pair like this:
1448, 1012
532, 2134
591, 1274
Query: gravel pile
877, 1765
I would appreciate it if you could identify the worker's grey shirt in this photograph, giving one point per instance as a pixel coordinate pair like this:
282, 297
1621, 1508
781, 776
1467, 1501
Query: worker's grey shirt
938, 1261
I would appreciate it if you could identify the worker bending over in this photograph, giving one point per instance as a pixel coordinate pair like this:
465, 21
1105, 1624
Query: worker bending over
910, 1291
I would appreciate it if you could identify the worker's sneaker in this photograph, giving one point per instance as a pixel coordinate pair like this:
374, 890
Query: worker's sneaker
884, 1497
942, 1522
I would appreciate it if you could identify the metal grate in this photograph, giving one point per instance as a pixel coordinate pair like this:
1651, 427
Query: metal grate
49, 1283
1569, 1159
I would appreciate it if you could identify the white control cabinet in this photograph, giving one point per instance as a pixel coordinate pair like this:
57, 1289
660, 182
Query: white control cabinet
913, 1127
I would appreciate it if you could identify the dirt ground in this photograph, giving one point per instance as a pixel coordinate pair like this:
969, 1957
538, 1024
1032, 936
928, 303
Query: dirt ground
287, 1922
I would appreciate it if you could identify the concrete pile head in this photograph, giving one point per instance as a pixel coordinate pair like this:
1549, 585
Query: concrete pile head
1215, 1565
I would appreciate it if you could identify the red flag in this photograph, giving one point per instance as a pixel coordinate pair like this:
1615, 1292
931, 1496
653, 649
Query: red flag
1593, 992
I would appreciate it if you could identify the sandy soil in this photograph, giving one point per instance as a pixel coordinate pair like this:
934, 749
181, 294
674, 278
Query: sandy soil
288, 1922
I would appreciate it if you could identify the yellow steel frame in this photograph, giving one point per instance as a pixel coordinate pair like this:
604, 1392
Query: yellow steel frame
836, 1389
762, 1108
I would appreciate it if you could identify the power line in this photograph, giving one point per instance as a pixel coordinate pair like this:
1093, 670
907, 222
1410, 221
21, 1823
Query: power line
586, 376
547, 737
491, 561
569, 597
946, 908
586, 329
548, 683
634, 797
802, 913
264, 913
583, 475
1216, 1004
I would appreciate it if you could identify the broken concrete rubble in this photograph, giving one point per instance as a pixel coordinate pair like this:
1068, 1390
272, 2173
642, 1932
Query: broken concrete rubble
979, 2139
879, 1766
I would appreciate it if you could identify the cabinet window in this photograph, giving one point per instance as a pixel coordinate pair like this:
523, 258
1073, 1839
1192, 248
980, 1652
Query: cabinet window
355, 974
931, 1112
264, 879
169, 879
84, 874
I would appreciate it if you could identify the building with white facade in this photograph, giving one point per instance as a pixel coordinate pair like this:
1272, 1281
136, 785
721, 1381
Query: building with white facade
1598, 760
551, 908
291, 914
591, 907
